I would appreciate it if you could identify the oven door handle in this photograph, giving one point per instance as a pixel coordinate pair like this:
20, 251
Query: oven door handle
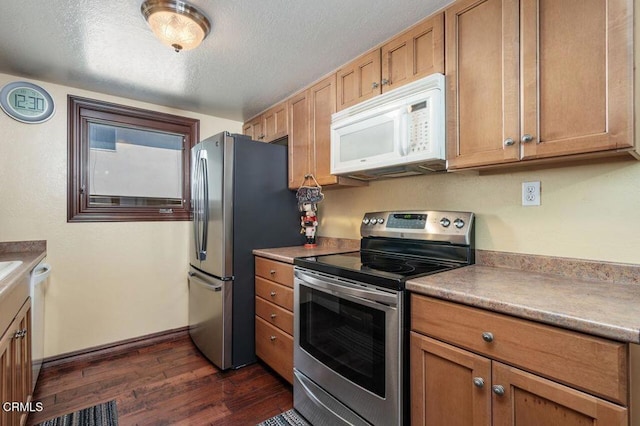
347, 291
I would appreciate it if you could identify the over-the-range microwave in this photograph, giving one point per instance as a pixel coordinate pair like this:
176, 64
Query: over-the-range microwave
398, 133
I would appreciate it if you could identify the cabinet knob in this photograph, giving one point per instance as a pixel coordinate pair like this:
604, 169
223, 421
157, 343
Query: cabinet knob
273, 294
526, 138
272, 272
272, 338
261, 136
498, 389
384, 81
487, 336
478, 381
374, 85
273, 316
509, 142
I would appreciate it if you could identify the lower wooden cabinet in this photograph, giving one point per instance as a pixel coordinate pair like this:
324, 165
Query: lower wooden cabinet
274, 315
455, 383
15, 367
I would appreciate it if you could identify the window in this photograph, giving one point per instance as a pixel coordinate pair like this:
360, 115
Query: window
127, 164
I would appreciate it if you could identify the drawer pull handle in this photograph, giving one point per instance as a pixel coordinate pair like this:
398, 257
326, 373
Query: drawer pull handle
272, 338
487, 336
478, 381
272, 272
273, 294
498, 389
273, 316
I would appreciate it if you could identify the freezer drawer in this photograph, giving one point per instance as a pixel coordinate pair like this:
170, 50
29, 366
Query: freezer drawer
210, 302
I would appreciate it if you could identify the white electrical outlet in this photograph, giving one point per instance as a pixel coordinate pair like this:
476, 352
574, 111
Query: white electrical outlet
530, 193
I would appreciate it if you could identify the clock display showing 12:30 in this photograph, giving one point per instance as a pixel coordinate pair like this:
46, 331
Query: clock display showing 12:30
26, 102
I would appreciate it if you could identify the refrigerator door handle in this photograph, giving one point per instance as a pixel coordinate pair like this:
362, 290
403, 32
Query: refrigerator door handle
205, 285
195, 196
205, 221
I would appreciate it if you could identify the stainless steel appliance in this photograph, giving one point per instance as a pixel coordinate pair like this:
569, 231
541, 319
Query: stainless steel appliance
240, 202
399, 133
351, 315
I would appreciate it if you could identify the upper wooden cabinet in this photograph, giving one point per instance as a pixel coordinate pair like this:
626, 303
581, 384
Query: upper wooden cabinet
534, 79
359, 80
413, 54
274, 122
268, 126
299, 139
310, 135
253, 128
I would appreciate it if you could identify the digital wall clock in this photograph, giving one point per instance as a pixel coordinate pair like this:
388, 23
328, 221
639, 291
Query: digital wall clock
26, 102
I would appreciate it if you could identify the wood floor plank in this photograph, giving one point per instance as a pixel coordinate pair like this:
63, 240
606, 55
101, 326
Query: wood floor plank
165, 383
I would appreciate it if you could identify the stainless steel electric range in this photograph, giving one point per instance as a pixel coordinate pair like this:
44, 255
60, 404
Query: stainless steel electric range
352, 315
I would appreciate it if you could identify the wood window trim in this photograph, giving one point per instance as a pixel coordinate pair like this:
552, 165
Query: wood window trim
83, 110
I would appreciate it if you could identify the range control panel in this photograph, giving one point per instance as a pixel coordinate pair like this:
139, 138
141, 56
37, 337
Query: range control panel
446, 226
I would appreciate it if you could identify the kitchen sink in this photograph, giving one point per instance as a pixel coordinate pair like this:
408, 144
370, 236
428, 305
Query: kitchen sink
8, 267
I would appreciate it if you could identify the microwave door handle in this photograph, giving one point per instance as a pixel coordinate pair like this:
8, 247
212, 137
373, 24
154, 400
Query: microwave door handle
404, 133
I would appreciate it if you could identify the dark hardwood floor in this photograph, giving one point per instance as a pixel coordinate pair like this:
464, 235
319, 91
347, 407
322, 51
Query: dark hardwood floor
168, 383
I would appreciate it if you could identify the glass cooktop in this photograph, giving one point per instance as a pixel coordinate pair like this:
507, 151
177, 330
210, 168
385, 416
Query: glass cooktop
373, 268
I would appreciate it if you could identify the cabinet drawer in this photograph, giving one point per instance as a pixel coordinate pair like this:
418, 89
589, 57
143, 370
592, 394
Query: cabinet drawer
274, 315
589, 363
275, 271
275, 348
275, 293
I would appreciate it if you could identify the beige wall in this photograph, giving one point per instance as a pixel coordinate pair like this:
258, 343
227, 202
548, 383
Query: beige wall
110, 281
587, 212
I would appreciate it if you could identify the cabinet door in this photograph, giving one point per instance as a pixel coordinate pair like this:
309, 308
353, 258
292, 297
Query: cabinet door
6, 373
22, 357
529, 400
482, 69
359, 80
322, 101
414, 54
253, 128
299, 139
448, 385
577, 73
15, 365
274, 122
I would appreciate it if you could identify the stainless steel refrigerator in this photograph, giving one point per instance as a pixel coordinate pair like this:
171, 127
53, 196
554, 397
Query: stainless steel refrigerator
240, 201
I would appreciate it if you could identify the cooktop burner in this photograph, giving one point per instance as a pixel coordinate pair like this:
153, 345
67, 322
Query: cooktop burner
401, 245
373, 268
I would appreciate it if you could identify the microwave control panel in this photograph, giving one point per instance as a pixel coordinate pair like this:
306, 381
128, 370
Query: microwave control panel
419, 132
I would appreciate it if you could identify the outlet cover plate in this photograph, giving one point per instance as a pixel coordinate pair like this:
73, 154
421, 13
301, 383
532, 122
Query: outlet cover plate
531, 193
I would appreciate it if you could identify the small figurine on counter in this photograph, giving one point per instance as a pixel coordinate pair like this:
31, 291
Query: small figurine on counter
309, 223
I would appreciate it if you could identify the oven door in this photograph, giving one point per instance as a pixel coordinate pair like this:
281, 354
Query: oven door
347, 341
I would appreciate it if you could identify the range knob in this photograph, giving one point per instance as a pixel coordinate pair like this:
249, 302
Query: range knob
380, 221
445, 222
459, 223
365, 220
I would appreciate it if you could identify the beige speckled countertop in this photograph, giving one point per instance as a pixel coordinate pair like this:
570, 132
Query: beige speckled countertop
325, 246
596, 307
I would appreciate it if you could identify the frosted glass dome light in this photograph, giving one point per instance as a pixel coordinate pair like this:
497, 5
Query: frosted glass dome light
176, 23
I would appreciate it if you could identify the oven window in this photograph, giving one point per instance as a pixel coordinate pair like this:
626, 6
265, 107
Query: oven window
347, 337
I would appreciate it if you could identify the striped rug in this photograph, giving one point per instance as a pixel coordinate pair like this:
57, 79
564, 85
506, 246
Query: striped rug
288, 418
104, 414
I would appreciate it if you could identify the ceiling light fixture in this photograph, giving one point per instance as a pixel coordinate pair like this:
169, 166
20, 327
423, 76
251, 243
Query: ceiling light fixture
176, 23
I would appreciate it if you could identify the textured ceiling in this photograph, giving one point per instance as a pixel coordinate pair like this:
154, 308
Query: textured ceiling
258, 52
